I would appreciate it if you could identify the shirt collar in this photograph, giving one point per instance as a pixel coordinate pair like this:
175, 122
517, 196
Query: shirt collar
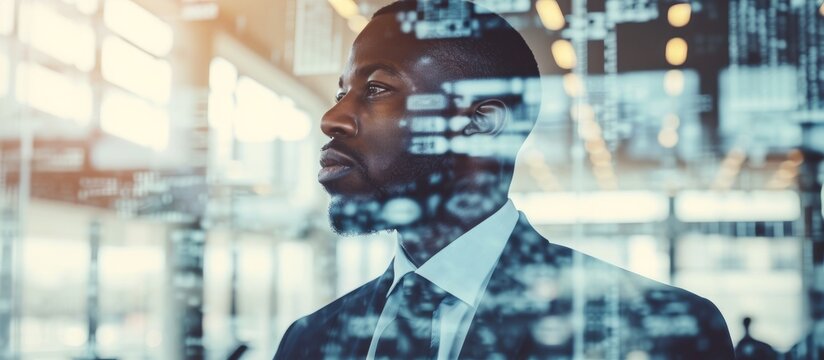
462, 267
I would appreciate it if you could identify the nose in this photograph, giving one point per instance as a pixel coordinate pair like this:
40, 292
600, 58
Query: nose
339, 121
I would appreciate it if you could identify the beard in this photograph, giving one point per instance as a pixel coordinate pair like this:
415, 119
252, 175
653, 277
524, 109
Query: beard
411, 192
422, 189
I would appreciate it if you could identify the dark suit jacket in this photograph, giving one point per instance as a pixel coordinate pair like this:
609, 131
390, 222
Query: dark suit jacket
543, 301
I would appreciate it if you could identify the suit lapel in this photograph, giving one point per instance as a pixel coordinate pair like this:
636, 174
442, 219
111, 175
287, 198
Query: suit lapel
359, 317
501, 323
500, 326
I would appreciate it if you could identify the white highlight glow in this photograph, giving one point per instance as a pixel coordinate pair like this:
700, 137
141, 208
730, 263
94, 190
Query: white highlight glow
221, 110
6, 16
222, 75
678, 15
550, 13
4, 75
74, 336
139, 26
701, 206
68, 41
198, 11
256, 115
668, 138
613, 207
564, 54
135, 120
108, 335
573, 85
122, 265
676, 51
357, 23
674, 82
345, 8
361, 258
295, 277
128, 67
87, 7
645, 257
263, 116
53, 93
52, 263
295, 124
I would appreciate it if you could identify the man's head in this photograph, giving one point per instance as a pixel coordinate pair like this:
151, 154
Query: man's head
429, 88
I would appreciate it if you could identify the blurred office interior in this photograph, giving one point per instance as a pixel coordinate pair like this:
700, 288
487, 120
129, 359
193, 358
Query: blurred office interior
158, 161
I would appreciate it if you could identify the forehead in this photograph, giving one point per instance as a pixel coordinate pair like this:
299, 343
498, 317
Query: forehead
382, 42
382, 35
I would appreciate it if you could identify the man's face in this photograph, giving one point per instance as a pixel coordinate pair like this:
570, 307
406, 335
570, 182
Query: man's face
367, 161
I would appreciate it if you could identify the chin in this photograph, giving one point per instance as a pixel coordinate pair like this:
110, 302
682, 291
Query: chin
351, 215
367, 214
413, 193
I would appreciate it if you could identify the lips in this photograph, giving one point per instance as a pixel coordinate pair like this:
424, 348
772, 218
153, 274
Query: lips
334, 165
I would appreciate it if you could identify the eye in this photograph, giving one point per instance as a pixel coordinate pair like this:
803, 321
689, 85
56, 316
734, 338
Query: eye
375, 89
339, 96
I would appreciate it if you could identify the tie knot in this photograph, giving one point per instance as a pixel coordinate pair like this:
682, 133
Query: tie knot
420, 296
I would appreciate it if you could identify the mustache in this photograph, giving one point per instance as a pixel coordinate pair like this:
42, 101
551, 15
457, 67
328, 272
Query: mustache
360, 163
344, 149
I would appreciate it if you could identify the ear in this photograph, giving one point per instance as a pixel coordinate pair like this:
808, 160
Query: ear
487, 117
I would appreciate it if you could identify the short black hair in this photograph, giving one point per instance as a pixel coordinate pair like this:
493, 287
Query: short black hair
487, 48
493, 49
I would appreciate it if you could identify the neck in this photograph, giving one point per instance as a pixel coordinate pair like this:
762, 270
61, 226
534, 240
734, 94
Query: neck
425, 238
480, 188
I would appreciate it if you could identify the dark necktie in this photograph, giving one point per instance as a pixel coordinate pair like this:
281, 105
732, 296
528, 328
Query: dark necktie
409, 336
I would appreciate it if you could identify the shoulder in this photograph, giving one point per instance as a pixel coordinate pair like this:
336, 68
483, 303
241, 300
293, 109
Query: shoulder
640, 291
307, 332
530, 250
677, 322
681, 324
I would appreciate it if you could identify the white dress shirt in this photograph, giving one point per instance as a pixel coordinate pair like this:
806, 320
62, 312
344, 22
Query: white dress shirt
462, 269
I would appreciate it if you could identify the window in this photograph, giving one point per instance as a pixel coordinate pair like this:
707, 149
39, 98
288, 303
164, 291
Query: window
262, 115
57, 36
128, 67
134, 119
6, 16
53, 93
139, 26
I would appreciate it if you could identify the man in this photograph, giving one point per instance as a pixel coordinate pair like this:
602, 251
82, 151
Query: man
434, 103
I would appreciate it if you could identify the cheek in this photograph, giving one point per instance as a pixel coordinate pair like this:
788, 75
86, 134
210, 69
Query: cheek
387, 138
387, 152
386, 155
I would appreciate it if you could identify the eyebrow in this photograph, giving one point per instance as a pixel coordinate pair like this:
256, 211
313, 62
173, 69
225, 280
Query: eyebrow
371, 68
